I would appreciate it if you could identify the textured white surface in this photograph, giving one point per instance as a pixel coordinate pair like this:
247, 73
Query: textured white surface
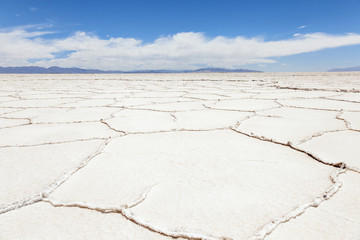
31, 223
291, 124
26, 171
217, 178
189, 156
336, 146
337, 218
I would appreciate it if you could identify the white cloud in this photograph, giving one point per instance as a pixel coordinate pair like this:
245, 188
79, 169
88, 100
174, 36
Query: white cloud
32, 9
301, 27
20, 46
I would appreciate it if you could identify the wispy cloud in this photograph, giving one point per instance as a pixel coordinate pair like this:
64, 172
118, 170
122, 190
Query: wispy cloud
20, 46
32, 9
301, 27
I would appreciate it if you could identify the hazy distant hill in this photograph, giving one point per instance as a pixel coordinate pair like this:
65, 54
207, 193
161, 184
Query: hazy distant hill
349, 69
79, 70
50, 70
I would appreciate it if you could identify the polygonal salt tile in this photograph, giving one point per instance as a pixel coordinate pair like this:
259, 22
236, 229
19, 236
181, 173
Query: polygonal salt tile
35, 112
170, 100
236, 94
110, 96
90, 103
38, 166
208, 119
353, 118
135, 102
7, 99
175, 107
127, 102
217, 183
325, 104
5, 122
35, 103
153, 94
131, 121
7, 110
348, 97
291, 125
37, 134
299, 113
336, 218
47, 95
243, 104
76, 115
42, 221
293, 94
336, 147
205, 96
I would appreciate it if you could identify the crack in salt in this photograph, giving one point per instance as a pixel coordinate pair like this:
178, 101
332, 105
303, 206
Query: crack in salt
125, 211
334, 188
290, 145
319, 134
347, 123
67, 175
22, 203
319, 89
39, 197
191, 91
52, 143
342, 168
173, 115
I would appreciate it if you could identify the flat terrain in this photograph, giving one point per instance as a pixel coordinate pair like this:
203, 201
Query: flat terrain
187, 156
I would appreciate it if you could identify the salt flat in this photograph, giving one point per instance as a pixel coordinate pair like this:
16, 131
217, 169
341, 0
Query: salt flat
188, 156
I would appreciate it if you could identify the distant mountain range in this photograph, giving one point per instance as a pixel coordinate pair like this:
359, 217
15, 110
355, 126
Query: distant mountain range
50, 70
34, 70
349, 69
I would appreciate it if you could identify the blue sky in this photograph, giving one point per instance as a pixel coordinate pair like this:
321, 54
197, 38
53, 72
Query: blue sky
181, 34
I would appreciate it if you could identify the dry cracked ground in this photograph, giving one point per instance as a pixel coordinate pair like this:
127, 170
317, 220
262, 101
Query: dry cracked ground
187, 156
